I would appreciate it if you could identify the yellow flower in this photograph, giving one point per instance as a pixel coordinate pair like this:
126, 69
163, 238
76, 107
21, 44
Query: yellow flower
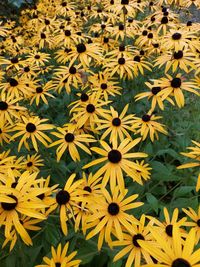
148, 125
84, 53
111, 210
68, 198
156, 99
69, 139
5, 128
195, 224
177, 254
31, 163
116, 160
25, 202
174, 86
32, 128
60, 258
165, 228
136, 253
118, 126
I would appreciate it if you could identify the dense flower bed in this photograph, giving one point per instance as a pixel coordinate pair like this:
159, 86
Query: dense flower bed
97, 100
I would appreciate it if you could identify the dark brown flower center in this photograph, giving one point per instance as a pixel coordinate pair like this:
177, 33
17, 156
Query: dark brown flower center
178, 55
176, 83
90, 108
105, 40
29, 164
13, 82
3, 105
146, 118
72, 70
164, 20
189, 23
176, 36
198, 222
180, 263
42, 35
69, 137
114, 156
104, 86
122, 48
155, 90
62, 197
116, 122
150, 35
67, 32
121, 61
10, 206
81, 48
30, 127
84, 97
26, 69
37, 56
136, 238
121, 27
47, 22
145, 32
169, 230
88, 189
14, 60
41, 196
124, 2
136, 58
113, 208
39, 90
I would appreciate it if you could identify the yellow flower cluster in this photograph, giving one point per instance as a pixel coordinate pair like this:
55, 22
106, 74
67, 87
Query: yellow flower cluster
82, 54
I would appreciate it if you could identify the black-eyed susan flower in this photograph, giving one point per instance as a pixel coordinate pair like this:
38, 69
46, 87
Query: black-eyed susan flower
32, 162
182, 59
195, 155
62, 55
124, 67
90, 110
156, 99
140, 64
32, 128
37, 58
5, 128
70, 139
67, 77
136, 254
84, 53
59, 258
16, 87
9, 108
195, 223
105, 84
25, 202
148, 125
116, 160
115, 125
175, 254
111, 210
28, 223
174, 86
41, 92
178, 39
66, 199
165, 227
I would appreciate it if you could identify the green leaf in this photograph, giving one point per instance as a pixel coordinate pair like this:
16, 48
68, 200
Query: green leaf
152, 201
183, 191
115, 264
86, 252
